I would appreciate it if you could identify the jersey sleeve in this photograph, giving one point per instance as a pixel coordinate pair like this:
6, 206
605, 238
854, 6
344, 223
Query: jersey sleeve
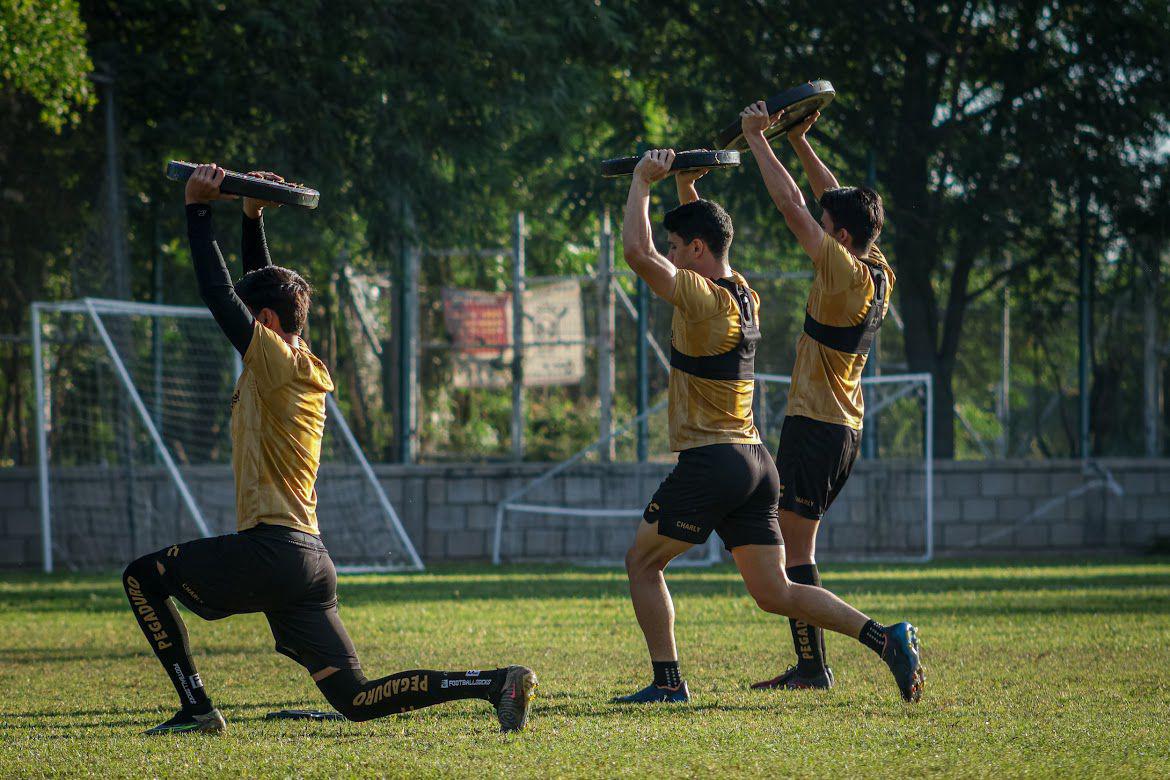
836, 268
215, 284
270, 360
254, 244
696, 297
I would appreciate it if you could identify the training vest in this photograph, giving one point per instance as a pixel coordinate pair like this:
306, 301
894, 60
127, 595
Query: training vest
855, 339
739, 362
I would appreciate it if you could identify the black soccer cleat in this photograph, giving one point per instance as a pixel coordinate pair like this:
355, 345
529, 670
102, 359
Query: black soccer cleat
656, 694
516, 698
902, 655
793, 680
186, 723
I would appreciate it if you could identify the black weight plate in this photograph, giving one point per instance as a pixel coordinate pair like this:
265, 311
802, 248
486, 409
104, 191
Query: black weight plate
252, 187
683, 161
798, 103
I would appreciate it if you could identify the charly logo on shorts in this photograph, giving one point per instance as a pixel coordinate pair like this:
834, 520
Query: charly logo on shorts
689, 527
653, 507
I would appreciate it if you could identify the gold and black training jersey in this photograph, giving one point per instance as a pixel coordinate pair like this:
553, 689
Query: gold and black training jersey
278, 418
826, 382
707, 322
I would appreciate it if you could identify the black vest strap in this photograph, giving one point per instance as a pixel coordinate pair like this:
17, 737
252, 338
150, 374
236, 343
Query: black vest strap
740, 361
855, 339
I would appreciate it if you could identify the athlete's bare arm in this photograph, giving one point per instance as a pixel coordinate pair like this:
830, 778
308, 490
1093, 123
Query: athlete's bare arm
637, 235
781, 186
685, 182
820, 178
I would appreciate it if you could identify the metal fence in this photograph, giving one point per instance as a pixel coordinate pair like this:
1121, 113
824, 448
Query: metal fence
401, 365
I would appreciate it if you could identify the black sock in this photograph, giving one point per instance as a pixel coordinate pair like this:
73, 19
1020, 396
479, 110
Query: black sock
666, 674
873, 636
360, 699
164, 630
809, 641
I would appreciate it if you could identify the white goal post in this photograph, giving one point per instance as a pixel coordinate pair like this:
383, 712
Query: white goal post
133, 407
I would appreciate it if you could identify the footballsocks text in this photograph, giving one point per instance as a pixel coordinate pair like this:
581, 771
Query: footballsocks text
666, 674
359, 699
809, 641
164, 630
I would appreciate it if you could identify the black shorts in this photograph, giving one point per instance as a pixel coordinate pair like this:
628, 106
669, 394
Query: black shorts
731, 489
286, 574
815, 459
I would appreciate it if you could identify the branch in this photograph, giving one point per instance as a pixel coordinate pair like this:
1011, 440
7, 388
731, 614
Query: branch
998, 278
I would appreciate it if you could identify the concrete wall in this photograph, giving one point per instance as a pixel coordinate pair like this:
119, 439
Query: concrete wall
449, 511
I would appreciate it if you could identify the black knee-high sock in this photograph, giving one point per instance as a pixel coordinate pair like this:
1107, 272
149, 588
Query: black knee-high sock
360, 699
164, 630
809, 641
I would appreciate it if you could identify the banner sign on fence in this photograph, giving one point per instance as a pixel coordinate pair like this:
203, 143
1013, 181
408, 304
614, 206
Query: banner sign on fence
554, 324
480, 326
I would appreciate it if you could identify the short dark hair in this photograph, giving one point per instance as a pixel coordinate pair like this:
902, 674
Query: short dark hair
284, 291
703, 219
858, 210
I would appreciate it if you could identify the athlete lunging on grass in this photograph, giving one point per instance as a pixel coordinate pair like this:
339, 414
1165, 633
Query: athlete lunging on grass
276, 563
725, 480
820, 438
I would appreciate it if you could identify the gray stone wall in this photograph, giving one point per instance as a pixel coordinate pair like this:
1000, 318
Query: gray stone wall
981, 507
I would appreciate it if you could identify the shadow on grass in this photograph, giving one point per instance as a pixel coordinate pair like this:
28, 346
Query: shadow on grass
69, 655
26, 593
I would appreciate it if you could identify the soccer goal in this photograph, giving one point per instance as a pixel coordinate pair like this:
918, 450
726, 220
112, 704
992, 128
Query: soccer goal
134, 448
586, 508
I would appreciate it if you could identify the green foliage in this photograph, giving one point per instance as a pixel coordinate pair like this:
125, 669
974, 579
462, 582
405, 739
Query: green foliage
1015, 657
979, 120
43, 55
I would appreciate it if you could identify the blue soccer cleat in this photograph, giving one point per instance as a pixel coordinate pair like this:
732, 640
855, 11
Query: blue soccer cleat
654, 694
902, 655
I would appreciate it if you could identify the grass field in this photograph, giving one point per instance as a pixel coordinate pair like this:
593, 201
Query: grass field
1052, 668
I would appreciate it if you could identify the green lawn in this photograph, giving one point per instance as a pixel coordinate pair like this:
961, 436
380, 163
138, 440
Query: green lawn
1050, 668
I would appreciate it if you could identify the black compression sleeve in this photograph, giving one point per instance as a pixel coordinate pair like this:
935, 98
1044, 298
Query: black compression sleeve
254, 251
215, 285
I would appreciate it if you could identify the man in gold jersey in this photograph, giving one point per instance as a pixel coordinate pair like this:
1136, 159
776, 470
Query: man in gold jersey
725, 480
276, 563
819, 441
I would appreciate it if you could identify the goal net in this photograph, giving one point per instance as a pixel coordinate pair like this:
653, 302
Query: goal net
134, 412
587, 508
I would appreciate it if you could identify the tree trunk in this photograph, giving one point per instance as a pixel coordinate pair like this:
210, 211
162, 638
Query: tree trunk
916, 253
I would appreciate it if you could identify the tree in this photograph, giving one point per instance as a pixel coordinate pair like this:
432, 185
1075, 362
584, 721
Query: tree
973, 115
43, 56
